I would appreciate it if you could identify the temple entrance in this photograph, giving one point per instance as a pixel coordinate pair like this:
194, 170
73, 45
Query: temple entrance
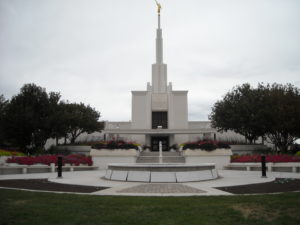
155, 143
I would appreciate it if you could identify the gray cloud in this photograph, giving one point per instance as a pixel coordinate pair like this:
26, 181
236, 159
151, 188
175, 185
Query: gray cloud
98, 51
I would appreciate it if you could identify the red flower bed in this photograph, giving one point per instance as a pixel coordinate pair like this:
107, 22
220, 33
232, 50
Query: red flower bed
269, 158
74, 159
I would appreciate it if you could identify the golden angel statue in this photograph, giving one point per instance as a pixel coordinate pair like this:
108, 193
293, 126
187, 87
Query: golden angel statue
158, 7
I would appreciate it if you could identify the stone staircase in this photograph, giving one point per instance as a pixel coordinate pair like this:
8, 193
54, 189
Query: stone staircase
153, 157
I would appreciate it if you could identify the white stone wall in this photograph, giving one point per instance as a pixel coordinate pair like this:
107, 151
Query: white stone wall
103, 157
159, 102
221, 157
141, 110
219, 161
178, 112
180, 138
119, 125
76, 149
247, 149
159, 78
140, 139
103, 161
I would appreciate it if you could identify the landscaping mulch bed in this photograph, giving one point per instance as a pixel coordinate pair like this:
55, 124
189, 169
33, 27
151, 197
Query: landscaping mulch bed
278, 185
45, 185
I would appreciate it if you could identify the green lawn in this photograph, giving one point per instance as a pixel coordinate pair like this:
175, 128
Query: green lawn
34, 208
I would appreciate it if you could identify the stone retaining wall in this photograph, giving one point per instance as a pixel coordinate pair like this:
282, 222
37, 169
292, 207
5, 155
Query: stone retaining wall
75, 149
247, 149
103, 157
24, 169
220, 157
275, 167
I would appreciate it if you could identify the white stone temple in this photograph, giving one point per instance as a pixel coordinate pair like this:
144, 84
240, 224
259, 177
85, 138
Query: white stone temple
160, 113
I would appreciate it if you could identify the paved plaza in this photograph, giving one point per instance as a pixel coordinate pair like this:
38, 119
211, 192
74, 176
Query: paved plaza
161, 188
208, 188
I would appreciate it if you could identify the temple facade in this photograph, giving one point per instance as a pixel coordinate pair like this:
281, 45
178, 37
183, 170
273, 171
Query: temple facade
160, 113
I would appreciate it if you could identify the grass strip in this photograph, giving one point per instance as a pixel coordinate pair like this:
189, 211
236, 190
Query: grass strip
28, 208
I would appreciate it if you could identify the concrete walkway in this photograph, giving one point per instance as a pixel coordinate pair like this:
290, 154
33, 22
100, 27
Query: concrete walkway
95, 178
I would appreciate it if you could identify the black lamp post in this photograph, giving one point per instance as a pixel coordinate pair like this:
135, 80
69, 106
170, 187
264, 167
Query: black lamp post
263, 166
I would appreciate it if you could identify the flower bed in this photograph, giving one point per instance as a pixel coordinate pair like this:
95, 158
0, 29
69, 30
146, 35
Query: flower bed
269, 158
115, 145
205, 145
74, 159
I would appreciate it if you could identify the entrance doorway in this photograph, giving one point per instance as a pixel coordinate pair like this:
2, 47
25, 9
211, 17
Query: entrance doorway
155, 143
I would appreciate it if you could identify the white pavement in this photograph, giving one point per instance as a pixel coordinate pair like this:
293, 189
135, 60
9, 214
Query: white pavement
95, 178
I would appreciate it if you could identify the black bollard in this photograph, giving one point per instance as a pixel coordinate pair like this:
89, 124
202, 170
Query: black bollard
59, 167
263, 166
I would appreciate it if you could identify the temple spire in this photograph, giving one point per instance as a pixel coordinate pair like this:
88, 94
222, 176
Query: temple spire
159, 69
158, 21
159, 41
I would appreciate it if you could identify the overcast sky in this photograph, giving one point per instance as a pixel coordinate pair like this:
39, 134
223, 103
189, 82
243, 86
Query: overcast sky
97, 51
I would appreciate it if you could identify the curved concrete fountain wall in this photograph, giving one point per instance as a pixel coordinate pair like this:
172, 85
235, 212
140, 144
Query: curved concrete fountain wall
161, 172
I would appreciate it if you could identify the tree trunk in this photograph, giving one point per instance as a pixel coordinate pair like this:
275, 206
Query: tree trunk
72, 140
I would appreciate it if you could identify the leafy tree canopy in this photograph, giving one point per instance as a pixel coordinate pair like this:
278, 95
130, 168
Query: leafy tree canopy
239, 111
27, 117
268, 110
80, 118
282, 114
33, 116
3, 105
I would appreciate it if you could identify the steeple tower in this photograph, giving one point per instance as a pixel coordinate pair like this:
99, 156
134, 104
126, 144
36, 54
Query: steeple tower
159, 44
159, 69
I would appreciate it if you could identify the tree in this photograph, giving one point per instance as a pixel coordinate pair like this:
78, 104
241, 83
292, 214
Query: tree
56, 122
282, 113
239, 111
27, 119
271, 110
79, 119
3, 105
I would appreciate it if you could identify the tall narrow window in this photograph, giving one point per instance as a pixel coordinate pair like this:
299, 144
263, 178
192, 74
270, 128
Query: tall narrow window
159, 119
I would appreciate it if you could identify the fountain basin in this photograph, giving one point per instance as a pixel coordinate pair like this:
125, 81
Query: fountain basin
165, 172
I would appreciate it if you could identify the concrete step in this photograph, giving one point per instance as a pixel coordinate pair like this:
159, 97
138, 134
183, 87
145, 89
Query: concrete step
163, 153
166, 159
174, 160
148, 158
141, 160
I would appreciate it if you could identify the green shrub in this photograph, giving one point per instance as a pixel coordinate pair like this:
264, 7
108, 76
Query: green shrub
174, 146
10, 153
297, 153
208, 146
191, 146
223, 145
115, 145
